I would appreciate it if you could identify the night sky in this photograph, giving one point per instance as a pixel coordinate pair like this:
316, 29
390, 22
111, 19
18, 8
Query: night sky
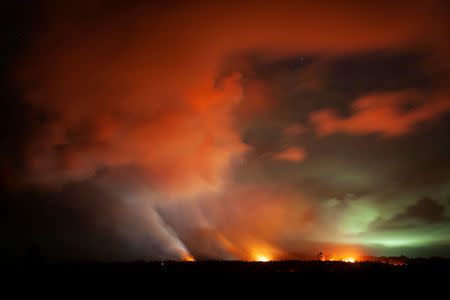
224, 129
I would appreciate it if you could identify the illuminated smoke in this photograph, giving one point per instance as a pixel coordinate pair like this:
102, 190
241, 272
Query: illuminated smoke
139, 100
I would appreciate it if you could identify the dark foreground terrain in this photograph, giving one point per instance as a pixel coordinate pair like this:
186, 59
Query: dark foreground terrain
419, 270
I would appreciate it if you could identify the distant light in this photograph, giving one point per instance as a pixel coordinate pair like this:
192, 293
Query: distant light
262, 258
350, 260
188, 257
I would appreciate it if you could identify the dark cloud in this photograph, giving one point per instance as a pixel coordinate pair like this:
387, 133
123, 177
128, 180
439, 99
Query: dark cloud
425, 211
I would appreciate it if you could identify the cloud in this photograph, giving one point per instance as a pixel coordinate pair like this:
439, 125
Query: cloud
294, 154
145, 87
136, 95
425, 211
388, 114
241, 221
181, 146
294, 130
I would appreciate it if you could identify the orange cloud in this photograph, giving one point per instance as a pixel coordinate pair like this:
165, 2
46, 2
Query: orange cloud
178, 150
294, 130
143, 87
388, 114
294, 154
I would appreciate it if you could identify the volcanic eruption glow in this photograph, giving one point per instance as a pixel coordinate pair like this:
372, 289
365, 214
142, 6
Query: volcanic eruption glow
160, 131
262, 258
188, 257
349, 255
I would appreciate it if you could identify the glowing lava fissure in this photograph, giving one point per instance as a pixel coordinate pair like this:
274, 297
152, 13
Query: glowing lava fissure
188, 257
262, 258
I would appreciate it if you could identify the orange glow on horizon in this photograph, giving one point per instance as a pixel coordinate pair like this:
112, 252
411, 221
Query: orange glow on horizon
264, 252
188, 257
349, 258
344, 253
262, 258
